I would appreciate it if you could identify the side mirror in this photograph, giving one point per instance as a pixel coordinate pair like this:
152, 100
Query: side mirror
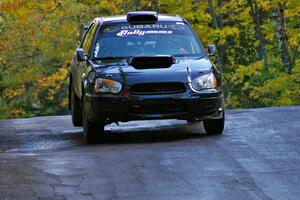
80, 55
211, 49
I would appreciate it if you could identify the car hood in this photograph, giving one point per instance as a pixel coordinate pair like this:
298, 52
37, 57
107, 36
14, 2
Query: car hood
183, 70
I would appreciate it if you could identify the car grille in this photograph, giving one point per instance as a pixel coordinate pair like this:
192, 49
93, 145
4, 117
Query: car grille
157, 88
161, 108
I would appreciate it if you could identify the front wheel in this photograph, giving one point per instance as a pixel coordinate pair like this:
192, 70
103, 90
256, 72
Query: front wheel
214, 126
92, 131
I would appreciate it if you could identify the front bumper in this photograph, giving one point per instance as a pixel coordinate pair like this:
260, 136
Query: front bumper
191, 106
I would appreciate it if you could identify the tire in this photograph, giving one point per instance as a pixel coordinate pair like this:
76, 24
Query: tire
92, 132
214, 126
76, 109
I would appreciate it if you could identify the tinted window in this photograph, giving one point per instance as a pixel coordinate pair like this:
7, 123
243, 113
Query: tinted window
162, 38
88, 39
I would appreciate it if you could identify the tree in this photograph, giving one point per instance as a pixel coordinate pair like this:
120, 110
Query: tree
281, 36
257, 19
257, 48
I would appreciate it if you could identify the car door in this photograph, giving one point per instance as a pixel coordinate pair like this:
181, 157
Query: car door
79, 67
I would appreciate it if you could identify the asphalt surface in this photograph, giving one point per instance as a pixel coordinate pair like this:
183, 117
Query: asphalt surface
258, 157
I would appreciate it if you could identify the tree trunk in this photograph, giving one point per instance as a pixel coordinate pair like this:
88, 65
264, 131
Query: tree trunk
212, 13
281, 37
257, 19
217, 23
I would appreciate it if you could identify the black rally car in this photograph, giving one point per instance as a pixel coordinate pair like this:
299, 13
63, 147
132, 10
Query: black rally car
143, 66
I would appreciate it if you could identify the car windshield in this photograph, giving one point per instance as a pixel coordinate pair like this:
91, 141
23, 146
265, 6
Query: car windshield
122, 40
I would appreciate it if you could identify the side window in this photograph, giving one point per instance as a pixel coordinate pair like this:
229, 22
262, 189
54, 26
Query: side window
88, 39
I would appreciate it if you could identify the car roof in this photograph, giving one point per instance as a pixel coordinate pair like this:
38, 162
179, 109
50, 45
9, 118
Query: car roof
123, 18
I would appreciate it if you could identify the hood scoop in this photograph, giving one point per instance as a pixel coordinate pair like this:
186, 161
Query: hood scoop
151, 62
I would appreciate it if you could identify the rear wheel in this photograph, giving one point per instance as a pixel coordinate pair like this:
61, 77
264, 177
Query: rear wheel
214, 126
76, 109
92, 132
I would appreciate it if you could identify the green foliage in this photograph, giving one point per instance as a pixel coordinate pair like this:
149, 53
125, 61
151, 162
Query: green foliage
37, 40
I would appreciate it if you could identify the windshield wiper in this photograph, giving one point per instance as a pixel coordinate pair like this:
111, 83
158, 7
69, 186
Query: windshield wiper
110, 58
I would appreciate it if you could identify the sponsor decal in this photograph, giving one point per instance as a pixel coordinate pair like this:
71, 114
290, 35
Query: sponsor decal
177, 27
123, 33
138, 27
111, 29
154, 26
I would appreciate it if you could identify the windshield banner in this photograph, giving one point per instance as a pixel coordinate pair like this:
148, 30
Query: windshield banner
124, 30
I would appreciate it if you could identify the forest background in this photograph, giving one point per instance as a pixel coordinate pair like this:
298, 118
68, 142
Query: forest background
257, 48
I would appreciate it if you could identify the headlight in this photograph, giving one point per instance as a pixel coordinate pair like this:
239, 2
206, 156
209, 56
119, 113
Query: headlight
204, 82
107, 86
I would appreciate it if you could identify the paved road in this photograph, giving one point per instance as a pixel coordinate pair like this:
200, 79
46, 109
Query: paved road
258, 157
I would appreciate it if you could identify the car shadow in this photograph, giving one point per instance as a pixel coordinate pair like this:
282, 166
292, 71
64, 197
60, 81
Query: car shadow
141, 132
152, 134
